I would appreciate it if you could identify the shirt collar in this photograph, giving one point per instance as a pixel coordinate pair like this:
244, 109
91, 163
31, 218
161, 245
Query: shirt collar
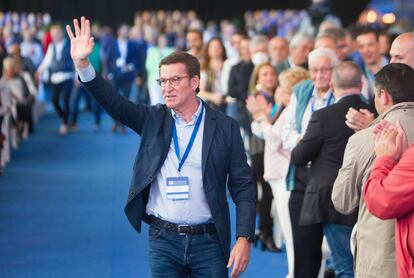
316, 95
176, 117
291, 63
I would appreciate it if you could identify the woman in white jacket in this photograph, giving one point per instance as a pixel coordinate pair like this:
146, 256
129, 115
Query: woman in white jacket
267, 124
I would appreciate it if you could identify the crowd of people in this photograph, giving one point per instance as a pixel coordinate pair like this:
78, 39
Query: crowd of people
319, 112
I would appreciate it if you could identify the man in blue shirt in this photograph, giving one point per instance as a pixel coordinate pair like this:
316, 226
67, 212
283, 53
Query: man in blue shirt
188, 154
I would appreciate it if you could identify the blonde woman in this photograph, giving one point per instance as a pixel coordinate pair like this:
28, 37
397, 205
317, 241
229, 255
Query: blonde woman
267, 122
263, 84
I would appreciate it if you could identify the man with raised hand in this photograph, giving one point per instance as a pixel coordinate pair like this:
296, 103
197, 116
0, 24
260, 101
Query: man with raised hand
188, 154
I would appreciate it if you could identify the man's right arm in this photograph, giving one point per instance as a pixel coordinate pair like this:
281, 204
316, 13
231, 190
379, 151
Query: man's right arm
118, 107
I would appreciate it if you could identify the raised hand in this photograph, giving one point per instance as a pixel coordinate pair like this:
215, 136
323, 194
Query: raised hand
81, 44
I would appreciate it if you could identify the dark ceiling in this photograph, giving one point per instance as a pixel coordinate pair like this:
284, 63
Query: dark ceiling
117, 11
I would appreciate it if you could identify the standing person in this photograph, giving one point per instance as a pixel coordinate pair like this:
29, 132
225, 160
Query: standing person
368, 46
276, 159
154, 56
262, 87
194, 39
308, 97
60, 65
375, 248
188, 154
228, 64
238, 87
124, 67
389, 191
211, 68
252, 53
5, 107
30, 48
299, 48
278, 50
95, 59
323, 145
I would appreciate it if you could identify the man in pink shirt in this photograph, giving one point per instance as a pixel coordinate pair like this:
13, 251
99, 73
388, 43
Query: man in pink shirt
389, 192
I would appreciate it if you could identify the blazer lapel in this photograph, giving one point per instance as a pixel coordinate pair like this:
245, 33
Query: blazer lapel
209, 130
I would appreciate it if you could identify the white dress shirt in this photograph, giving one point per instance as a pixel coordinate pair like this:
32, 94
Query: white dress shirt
195, 210
289, 133
56, 77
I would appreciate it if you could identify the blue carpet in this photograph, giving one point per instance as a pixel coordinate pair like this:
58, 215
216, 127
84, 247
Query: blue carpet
61, 208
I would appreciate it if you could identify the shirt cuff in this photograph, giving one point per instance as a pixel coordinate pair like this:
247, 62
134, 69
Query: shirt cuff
87, 74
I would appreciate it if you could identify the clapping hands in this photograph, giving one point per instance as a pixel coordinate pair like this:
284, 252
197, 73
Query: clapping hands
390, 139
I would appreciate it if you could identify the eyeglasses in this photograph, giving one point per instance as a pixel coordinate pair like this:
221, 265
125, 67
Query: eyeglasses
321, 70
174, 81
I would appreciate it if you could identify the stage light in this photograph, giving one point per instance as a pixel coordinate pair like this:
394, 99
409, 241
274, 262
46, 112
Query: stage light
388, 18
372, 16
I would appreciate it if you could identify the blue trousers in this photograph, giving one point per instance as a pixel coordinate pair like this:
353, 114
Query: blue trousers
338, 237
176, 256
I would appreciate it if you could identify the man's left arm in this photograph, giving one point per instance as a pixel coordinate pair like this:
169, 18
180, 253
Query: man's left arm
243, 193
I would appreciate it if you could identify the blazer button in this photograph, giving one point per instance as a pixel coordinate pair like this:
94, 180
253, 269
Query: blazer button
150, 178
132, 194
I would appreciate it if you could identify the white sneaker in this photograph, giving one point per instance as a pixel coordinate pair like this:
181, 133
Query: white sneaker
63, 129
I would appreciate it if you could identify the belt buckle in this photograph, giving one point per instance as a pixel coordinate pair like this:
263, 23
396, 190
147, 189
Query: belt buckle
179, 230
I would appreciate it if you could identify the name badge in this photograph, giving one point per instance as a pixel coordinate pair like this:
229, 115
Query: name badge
178, 188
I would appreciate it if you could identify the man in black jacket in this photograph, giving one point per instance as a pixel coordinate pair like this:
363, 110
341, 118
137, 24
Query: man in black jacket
188, 155
323, 145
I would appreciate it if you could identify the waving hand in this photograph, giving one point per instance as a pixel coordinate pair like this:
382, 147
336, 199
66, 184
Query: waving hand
81, 43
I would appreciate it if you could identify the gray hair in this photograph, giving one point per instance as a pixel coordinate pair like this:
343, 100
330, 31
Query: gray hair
323, 52
346, 75
259, 39
298, 38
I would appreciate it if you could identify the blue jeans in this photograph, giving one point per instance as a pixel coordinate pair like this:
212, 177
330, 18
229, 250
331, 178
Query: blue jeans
339, 237
175, 256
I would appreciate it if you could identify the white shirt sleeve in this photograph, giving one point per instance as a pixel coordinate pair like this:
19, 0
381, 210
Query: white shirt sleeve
225, 75
47, 61
86, 74
257, 129
289, 133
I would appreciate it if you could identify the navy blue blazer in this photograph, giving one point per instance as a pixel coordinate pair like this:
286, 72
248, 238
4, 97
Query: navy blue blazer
223, 161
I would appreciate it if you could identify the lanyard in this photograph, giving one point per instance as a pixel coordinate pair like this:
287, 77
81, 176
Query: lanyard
190, 143
328, 102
